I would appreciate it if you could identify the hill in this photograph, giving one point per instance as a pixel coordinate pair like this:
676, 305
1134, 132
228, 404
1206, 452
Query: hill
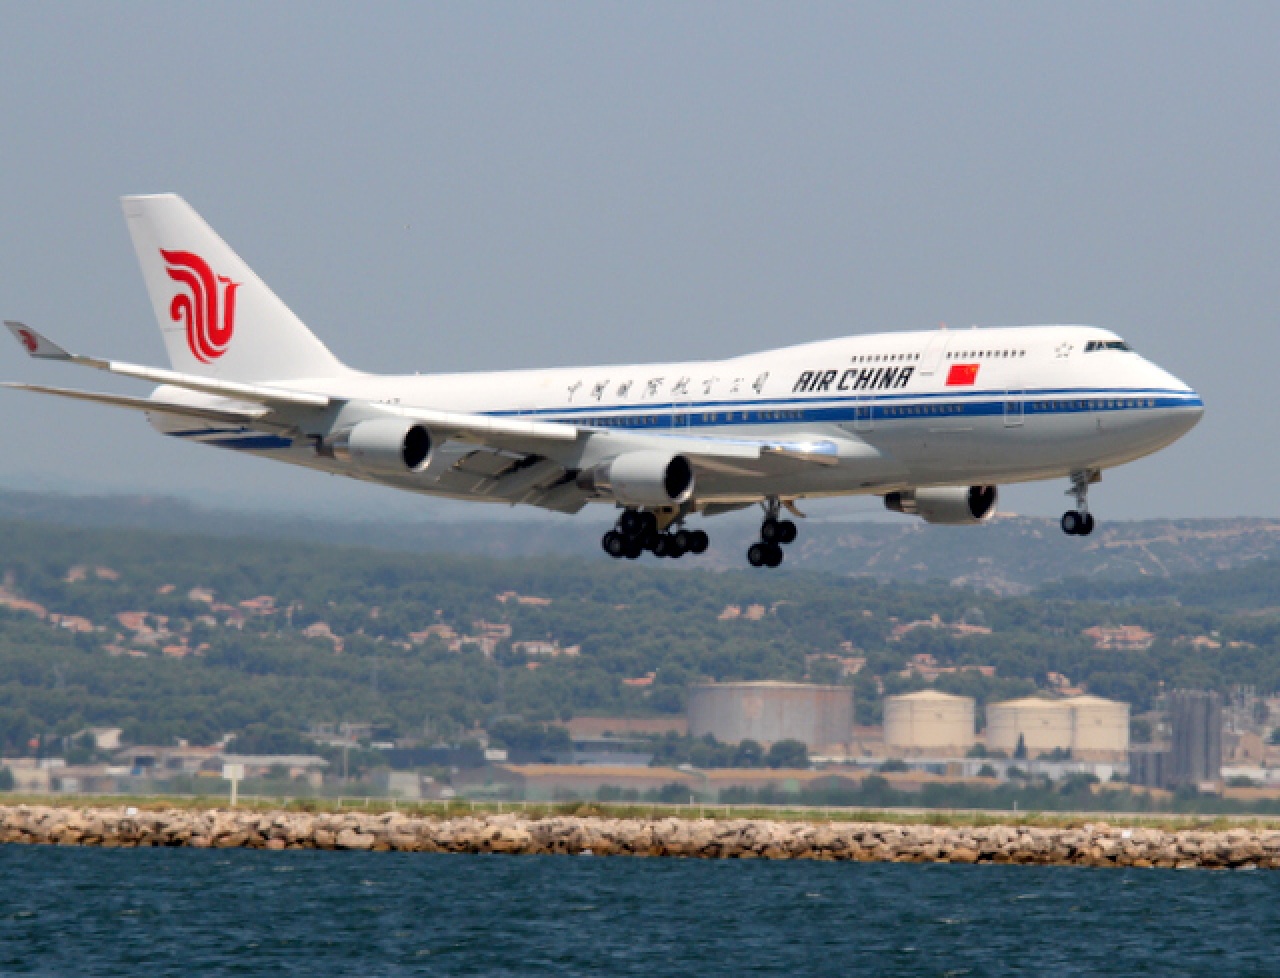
1010, 555
178, 635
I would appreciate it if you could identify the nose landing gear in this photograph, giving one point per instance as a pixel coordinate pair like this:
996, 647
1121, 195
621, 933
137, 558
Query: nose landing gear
774, 533
637, 531
1078, 522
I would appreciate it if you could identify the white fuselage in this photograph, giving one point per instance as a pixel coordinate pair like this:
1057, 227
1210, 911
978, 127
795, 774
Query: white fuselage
902, 410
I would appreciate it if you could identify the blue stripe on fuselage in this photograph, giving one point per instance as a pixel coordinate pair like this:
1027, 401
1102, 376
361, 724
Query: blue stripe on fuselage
945, 404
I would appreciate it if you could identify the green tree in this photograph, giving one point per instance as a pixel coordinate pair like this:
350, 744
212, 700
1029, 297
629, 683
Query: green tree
529, 742
788, 753
259, 738
749, 754
6, 779
1020, 751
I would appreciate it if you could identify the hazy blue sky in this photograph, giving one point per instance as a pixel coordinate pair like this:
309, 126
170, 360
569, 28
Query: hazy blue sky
464, 186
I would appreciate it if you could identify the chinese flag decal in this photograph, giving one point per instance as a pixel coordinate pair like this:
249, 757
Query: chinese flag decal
962, 375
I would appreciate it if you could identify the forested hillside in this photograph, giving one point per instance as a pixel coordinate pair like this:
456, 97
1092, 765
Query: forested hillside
187, 636
1010, 555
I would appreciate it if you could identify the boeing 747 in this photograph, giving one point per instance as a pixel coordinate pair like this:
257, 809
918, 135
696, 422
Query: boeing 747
930, 421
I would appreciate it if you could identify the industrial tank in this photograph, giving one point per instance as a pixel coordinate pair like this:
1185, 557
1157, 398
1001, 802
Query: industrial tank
928, 722
821, 717
1100, 728
1043, 725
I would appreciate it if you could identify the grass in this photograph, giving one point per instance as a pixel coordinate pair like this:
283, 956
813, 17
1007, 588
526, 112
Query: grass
457, 808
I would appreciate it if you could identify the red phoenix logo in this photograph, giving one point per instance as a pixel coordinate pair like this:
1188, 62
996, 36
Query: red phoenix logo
29, 340
207, 334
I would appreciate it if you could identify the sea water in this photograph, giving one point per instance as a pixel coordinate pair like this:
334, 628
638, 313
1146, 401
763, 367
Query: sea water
69, 911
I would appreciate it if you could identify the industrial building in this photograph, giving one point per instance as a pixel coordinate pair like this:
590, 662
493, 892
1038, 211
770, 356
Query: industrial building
820, 717
1090, 727
928, 723
1196, 719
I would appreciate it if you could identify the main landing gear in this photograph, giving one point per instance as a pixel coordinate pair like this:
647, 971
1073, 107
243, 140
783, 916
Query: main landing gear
1078, 522
774, 533
638, 531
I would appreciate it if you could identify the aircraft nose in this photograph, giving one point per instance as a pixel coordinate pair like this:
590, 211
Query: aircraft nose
1183, 407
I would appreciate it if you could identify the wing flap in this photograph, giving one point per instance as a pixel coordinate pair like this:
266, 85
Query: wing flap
730, 454
511, 434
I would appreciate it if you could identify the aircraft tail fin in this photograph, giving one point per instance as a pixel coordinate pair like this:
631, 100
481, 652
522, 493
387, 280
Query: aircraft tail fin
217, 317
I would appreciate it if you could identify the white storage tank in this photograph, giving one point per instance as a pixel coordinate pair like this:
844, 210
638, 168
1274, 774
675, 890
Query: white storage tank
1042, 725
928, 723
1100, 728
821, 717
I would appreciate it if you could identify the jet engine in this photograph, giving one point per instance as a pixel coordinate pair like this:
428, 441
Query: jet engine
948, 505
646, 479
385, 446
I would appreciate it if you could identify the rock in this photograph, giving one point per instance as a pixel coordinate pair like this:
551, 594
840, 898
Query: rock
1091, 845
351, 839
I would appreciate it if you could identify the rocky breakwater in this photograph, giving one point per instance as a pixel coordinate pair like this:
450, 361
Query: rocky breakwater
1088, 845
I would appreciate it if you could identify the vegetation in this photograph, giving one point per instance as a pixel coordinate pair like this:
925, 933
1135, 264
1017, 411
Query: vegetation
597, 638
789, 809
672, 750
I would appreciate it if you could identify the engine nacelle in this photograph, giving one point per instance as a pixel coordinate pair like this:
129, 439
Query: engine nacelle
948, 505
649, 479
385, 446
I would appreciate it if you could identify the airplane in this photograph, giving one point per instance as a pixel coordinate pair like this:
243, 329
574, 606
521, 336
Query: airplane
930, 421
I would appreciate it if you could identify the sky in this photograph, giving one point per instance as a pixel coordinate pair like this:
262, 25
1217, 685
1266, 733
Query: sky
484, 186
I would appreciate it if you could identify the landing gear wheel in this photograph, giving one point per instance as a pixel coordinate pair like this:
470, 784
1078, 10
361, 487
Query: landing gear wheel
629, 522
634, 549
698, 542
615, 544
662, 546
1078, 522
774, 532
684, 540
764, 555
674, 547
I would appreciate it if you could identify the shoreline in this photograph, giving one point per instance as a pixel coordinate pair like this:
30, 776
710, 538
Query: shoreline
1092, 844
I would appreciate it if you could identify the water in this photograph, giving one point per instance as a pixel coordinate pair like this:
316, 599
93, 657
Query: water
238, 912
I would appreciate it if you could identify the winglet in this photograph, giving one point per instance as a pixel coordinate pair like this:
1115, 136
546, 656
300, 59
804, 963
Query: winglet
36, 345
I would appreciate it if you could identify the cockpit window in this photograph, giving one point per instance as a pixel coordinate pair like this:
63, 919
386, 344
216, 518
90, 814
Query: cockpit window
1093, 346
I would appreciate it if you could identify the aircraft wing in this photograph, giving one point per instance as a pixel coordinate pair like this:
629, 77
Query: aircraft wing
152, 405
43, 348
481, 429
513, 459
